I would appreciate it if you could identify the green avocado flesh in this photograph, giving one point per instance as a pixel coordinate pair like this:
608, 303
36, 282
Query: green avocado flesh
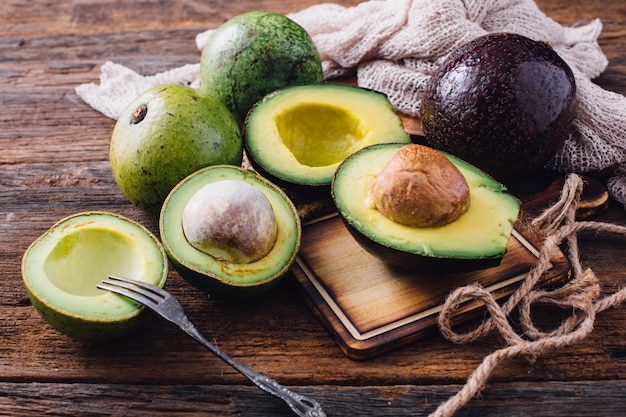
299, 135
61, 269
483, 231
218, 277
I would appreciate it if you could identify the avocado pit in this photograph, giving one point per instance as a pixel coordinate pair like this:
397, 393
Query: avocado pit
419, 187
230, 220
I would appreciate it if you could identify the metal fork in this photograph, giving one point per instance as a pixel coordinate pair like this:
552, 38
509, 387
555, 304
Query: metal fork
165, 305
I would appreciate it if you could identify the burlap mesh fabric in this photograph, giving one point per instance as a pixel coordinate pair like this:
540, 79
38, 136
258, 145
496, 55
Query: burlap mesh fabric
394, 46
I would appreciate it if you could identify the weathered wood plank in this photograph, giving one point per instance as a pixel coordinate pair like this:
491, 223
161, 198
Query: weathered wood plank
544, 399
25, 18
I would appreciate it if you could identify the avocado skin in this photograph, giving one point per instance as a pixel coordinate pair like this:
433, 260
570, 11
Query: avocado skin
256, 53
88, 330
217, 289
502, 102
180, 132
416, 262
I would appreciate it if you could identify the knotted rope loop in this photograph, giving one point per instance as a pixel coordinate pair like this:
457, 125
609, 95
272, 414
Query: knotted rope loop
579, 295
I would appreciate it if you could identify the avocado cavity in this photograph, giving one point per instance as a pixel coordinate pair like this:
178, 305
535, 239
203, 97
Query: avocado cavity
316, 144
230, 220
77, 262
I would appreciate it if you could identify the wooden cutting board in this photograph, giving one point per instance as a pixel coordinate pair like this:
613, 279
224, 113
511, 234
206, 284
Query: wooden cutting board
371, 308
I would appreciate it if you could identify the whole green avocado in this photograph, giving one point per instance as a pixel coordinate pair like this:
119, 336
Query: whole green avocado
165, 134
503, 102
252, 55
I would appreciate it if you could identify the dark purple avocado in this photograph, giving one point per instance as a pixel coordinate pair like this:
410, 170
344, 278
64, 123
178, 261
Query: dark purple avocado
502, 102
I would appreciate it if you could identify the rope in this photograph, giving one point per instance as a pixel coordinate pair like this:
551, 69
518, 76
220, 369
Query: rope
580, 294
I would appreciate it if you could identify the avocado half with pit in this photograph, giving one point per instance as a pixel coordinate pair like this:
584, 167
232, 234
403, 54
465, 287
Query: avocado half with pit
297, 136
61, 269
476, 239
214, 229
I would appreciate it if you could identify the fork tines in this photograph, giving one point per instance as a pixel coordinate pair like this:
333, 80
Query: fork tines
140, 291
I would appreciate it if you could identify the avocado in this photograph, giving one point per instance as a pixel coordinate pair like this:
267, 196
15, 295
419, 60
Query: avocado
205, 268
165, 134
61, 269
475, 240
297, 136
253, 54
502, 102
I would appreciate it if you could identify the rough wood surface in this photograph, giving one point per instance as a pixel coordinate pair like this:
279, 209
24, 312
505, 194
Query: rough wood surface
54, 162
544, 399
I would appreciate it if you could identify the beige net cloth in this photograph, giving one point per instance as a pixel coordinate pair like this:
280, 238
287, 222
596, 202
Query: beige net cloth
394, 46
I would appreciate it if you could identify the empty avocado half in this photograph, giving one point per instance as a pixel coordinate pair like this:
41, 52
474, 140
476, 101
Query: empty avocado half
475, 239
61, 269
299, 135
230, 232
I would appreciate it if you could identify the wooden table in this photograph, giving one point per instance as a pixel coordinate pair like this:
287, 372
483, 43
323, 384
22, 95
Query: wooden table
54, 163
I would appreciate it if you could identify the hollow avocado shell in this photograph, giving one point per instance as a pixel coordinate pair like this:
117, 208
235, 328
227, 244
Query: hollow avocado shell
297, 136
60, 271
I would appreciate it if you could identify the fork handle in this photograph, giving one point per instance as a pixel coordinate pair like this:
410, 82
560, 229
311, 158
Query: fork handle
301, 405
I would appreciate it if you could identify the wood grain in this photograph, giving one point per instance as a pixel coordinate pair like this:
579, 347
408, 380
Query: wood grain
372, 308
545, 399
54, 162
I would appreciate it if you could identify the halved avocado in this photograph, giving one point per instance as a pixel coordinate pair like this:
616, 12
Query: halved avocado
299, 135
61, 269
219, 277
477, 239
